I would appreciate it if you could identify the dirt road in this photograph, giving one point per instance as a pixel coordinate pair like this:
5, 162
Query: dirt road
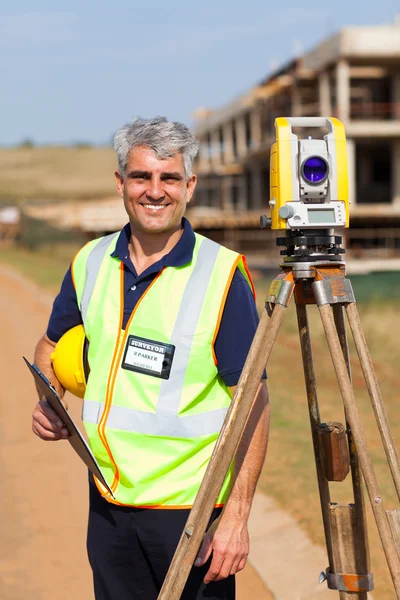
44, 486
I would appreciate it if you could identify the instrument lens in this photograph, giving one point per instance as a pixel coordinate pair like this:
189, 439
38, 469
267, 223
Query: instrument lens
315, 169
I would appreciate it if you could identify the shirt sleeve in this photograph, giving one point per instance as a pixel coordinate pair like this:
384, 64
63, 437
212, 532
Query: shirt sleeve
238, 326
65, 313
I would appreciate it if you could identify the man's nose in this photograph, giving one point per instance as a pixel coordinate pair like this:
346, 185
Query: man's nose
155, 189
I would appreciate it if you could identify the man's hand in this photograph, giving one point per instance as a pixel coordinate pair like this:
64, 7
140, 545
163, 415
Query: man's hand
228, 541
228, 538
47, 424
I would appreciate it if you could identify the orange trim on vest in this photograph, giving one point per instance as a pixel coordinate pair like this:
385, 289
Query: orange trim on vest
221, 308
106, 496
246, 268
102, 423
114, 370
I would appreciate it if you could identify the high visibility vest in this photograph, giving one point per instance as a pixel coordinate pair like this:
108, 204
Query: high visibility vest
153, 437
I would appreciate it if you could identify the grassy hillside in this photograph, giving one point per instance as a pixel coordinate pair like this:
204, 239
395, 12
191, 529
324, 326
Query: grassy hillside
53, 173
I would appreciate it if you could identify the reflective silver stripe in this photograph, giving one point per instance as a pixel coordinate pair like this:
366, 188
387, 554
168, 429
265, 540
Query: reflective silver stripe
92, 411
93, 264
137, 421
185, 327
165, 421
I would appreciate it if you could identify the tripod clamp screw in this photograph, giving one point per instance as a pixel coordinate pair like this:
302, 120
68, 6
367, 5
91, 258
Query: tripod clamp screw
322, 577
378, 500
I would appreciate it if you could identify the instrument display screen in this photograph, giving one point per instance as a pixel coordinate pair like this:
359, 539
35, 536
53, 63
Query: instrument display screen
325, 215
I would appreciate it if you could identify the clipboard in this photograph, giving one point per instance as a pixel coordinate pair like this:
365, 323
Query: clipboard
76, 439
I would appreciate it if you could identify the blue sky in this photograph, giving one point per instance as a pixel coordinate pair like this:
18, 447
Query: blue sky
77, 70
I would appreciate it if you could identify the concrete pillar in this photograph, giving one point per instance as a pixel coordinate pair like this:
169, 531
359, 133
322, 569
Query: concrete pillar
215, 149
256, 188
204, 158
216, 192
226, 193
201, 194
242, 193
255, 127
343, 90
296, 101
228, 143
351, 159
240, 124
325, 105
396, 173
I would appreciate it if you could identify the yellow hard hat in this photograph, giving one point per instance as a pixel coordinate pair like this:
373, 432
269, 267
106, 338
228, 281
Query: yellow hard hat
70, 361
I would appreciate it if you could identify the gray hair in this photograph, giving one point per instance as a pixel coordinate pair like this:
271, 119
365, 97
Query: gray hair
165, 138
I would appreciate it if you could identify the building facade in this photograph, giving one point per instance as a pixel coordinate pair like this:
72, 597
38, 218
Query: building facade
354, 76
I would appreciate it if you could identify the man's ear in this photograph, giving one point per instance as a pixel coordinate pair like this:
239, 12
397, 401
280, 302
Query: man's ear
119, 182
190, 186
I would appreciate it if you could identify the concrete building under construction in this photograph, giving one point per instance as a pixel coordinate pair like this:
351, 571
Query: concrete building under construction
354, 76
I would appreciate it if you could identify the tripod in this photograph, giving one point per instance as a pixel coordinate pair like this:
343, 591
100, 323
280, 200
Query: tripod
314, 273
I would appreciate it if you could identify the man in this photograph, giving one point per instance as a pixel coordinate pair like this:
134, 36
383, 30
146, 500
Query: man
169, 316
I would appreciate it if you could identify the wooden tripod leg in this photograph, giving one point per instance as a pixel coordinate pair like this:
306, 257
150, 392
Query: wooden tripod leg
375, 394
360, 442
346, 550
361, 549
313, 409
223, 454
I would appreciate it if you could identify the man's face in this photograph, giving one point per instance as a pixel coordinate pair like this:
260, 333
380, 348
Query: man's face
155, 191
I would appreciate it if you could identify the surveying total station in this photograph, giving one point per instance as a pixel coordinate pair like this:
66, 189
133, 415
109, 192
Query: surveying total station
309, 190
309, 201
309, 178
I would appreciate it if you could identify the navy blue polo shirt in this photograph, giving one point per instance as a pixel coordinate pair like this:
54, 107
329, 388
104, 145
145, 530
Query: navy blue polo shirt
239, 319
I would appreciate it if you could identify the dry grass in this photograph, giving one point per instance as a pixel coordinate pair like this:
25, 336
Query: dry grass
56, 173
45, 266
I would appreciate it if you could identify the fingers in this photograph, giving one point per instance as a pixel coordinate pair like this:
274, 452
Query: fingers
217, 569
204, 552
241, 565
44, 408
46, 424
238, 565
225, 563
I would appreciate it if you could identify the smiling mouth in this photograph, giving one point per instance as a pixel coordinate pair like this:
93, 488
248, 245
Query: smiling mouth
155, 207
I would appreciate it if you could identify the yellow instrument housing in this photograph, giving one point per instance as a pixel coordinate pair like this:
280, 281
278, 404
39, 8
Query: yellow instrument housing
285, 169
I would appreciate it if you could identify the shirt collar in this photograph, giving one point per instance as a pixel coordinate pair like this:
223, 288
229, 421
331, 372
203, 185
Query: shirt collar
181, 253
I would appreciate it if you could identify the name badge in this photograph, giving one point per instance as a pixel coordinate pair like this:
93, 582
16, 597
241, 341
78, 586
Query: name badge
148, 357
